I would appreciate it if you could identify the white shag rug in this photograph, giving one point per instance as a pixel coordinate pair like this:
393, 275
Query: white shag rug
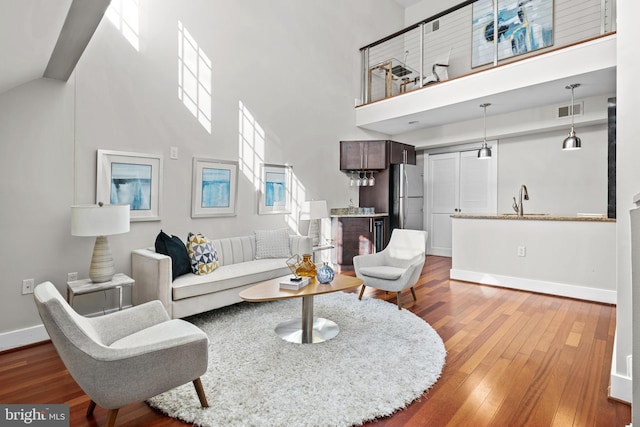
382, 359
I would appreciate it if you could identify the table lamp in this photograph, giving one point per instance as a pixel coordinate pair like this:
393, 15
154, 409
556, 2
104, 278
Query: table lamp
100, 221
313, 211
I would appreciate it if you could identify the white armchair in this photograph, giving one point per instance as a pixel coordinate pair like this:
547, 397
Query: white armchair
127, 356
395, 268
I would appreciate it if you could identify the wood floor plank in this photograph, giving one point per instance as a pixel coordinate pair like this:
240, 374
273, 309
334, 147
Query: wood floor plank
513, 359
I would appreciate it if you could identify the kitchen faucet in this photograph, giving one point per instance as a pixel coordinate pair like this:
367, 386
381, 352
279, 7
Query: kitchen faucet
518, 207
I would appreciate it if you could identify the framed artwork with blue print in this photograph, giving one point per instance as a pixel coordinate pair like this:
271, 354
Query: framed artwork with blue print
523, 26
214, 188
275, 189
133, 179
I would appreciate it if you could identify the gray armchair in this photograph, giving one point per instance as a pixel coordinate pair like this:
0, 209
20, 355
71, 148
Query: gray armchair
395, 268
127, 356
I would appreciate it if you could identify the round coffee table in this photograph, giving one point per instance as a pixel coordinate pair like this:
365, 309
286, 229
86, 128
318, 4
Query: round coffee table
305, 329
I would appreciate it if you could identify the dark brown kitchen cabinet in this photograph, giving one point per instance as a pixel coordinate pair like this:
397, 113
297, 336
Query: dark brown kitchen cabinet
357, 236
363, 155
402, 153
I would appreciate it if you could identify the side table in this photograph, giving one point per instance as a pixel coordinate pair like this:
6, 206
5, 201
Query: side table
86, 286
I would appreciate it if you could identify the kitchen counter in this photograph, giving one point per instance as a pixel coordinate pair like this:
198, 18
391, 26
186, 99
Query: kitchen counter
537, 217
373, 215
570, 256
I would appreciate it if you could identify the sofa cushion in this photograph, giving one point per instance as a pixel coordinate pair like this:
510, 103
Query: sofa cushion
272, 244
202, 253
229, 276
173, 247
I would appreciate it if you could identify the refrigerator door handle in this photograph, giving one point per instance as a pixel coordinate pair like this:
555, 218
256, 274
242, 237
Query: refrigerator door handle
404, 198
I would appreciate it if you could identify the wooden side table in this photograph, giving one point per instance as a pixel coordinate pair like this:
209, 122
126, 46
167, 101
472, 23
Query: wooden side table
86, 286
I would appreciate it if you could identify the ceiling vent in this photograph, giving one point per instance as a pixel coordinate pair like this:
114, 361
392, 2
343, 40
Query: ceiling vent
565, 110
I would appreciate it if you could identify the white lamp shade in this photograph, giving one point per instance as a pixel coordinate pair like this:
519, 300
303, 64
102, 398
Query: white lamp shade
314, 209
96, 220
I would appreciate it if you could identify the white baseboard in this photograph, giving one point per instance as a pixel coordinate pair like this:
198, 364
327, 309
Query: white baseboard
621, 388
540, 286
21, 337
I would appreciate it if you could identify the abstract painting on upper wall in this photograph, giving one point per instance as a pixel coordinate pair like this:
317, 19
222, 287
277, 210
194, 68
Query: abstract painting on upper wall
523, 26
132, 179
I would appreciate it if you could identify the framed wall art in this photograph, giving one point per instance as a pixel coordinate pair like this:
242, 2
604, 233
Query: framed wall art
132, 179
523, 26
275, 189
214, 188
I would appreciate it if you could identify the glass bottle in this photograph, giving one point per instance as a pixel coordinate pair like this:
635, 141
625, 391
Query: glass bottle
307, 268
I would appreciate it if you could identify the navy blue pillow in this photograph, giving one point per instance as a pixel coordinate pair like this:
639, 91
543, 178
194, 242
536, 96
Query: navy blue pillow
174, 248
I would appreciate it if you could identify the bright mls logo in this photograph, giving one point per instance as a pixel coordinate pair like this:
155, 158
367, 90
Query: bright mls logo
34, 415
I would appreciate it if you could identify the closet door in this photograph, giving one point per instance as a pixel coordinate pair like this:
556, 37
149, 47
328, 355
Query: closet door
458, 183
443, 196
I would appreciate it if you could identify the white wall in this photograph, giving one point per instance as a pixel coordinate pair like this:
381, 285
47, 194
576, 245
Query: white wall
559, 182
628, 184
297, 79
530, 153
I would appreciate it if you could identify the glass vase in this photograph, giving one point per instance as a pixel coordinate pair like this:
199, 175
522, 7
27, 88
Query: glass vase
307, 268
325, 274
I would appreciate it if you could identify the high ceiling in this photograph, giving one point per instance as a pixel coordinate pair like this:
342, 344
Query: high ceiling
29, 30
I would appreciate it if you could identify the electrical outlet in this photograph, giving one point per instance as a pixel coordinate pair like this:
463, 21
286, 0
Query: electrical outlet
27, 286
522, 251
72, 277
173, 153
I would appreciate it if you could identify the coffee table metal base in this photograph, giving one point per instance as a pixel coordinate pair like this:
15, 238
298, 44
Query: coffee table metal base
307, 329
323, 330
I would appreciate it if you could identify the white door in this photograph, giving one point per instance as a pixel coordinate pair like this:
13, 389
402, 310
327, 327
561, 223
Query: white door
458, 183
442, 196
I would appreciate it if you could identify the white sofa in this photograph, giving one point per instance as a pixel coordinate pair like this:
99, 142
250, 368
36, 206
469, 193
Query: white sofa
190, 293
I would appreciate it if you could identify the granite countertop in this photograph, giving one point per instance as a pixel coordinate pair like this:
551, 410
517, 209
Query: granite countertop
537, 217
371, 215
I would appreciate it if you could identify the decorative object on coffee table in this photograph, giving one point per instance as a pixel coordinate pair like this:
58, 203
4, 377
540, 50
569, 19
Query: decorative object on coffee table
307, 268
325, 274
293, 263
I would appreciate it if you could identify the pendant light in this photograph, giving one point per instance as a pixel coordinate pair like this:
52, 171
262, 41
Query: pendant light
572, 142
484, 152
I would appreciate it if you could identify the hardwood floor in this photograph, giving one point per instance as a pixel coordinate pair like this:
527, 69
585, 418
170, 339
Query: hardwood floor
514, 359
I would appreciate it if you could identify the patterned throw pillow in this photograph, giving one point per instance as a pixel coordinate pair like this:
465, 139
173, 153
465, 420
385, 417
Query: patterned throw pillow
203, 254
272, 244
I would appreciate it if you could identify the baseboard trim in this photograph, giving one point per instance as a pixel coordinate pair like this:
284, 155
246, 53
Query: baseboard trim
21, 337
539, 286
620, 388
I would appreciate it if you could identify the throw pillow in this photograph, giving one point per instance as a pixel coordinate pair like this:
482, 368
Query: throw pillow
272, 244
203, 254
174, 248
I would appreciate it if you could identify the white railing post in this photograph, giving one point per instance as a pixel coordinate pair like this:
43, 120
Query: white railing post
364, 89
495, 32
421, 54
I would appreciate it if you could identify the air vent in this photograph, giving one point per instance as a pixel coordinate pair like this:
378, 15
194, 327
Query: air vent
435, 25
565, 110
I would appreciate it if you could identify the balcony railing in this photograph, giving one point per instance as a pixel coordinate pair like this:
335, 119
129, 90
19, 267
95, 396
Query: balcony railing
460, 41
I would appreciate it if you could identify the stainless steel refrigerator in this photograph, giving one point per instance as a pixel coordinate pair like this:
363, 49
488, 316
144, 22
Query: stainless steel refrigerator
407, 195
